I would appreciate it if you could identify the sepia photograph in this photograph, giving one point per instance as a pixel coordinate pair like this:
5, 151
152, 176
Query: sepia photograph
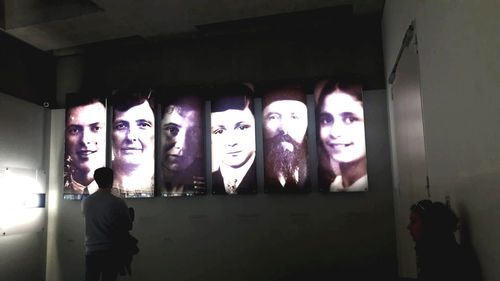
284, 118
85, 149
182, 153
341, 138
133, 144
233, 142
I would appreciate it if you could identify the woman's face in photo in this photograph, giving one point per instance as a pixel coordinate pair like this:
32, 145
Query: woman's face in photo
342, 128
133, 135
181, 137
233, 136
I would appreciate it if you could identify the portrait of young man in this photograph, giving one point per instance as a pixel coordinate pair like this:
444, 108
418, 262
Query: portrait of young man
233, 142
284, 118
85, 148
182, 157
133, 144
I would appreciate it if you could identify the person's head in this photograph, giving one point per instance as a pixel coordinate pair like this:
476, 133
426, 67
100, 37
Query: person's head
285, 114
104, 177
431, 221
341, 122
233, 130
181, 134
85, 139
133, 131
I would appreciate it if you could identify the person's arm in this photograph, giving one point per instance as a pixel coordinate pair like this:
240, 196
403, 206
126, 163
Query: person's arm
128, 220
124, 222
131, 213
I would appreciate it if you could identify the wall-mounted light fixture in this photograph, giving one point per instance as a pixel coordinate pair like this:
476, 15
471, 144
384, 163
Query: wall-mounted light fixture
35, 200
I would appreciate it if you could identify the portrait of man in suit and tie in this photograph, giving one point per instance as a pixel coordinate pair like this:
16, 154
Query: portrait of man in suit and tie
233, 141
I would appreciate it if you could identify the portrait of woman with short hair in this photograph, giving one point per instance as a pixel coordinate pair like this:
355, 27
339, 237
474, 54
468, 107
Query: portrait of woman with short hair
182, 157
133, 145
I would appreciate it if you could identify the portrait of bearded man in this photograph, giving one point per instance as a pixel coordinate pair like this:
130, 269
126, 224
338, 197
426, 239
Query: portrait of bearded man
285, 123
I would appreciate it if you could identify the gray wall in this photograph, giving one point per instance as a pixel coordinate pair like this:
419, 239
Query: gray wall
25, 71
22, 142
348, 45
459, 70
259, 237
256, 237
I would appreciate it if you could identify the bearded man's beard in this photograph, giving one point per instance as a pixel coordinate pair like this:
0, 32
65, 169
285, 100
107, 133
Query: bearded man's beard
284, 156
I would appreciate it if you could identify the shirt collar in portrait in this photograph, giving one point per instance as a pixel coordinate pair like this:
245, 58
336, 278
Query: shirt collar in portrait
360, 185
82, 189
233, 177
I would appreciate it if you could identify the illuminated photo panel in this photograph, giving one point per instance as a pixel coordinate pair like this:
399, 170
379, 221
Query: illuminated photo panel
85, 144
284, 118
233, 142
182, 153
341, 137
133, 144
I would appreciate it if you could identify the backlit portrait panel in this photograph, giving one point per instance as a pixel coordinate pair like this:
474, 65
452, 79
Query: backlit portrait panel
233, 142
341, 138
85, 148
133, 145
182, 153
284, 118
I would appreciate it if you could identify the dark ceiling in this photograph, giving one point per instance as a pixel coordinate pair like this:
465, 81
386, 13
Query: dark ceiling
171, 42
57, 24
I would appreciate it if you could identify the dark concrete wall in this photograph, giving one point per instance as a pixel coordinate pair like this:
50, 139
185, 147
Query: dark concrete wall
314, 236
348, 45
26, 72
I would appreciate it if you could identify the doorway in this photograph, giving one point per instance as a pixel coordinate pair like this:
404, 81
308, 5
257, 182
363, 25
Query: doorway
407, 147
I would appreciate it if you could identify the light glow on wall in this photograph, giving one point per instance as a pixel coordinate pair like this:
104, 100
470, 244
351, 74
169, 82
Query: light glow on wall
20, 194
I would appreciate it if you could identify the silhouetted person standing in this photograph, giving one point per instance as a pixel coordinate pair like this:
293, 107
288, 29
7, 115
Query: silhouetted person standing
439, 256
107, 220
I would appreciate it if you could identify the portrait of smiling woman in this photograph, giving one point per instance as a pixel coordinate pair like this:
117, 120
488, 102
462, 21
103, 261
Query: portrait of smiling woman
133, 139
341, 136
233, 143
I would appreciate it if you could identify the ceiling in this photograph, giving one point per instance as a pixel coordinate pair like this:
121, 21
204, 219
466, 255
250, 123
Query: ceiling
58, 24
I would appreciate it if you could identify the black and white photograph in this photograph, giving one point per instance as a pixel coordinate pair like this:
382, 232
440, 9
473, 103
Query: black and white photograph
182, 142
85, 149
133, 144
233, 141
341, 137
284, 118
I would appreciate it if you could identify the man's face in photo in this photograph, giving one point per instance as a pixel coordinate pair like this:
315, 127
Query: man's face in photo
133, 135
286, 119
181, 137
86, 140
233, 136
285, 126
